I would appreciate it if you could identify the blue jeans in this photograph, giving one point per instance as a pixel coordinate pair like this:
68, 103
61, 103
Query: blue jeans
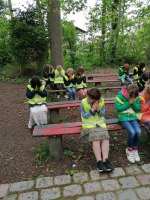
134, 131
57, 87
139, 77
123, 80
72, 92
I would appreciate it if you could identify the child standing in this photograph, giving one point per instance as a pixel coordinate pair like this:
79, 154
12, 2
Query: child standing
127, 104
143, 80
138, 70
59, 75
94, 128
80, 79
36, 95
48, 74
123, 73
69, 81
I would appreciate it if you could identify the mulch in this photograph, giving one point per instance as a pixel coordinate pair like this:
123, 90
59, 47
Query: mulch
17, 143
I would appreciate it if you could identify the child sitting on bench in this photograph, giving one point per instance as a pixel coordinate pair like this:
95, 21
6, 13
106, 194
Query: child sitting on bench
94, 128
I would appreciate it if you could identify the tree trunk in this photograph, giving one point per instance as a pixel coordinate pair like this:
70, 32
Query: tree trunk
54, 22
10, 8
103, 27
118, 24
149, 52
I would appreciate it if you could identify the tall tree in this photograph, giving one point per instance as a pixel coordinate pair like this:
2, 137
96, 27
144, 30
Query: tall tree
10, 8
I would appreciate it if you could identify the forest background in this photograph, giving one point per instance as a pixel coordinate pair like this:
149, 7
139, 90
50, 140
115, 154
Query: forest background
118, 32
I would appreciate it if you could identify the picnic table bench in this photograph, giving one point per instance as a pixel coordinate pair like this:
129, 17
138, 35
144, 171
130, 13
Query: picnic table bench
91, 76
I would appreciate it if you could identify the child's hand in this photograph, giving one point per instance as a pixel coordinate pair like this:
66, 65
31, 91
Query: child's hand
95, 106
59, 72
70, 77
131, 100
49, 71
36, 88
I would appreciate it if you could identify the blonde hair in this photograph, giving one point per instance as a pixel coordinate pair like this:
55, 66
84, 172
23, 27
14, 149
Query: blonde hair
59, 67
147, 91
69, 70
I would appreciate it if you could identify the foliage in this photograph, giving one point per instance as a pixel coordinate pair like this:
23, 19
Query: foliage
72, 172
28, 39
69, 153
42, 152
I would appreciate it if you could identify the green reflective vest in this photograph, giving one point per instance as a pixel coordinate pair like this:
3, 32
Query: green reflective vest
37, 99
124, 75
92, 121
59, 77
71, 84
51, 79
81, 85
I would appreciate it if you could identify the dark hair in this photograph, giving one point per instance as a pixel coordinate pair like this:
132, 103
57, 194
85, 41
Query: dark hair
94, 93
141, 64
47, 67
125, 67
133, 90
35, 81
79, 69
146, 76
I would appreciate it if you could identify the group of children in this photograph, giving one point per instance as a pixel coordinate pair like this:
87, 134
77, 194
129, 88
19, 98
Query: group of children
67, 80
130, 105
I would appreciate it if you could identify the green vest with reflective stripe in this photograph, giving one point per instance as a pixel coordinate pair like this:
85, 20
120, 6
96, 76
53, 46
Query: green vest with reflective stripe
59, 79
71, 84
81, 85
92, 121
139, 114
137, 69
123, 76
37, 99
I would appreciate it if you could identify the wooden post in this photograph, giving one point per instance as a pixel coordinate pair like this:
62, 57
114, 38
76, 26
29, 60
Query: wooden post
55, 142
98, 85
108, 93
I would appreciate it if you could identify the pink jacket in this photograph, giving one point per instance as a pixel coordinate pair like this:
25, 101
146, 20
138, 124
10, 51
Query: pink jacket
145, 108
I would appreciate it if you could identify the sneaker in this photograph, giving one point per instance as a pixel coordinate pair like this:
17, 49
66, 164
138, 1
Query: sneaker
66, 96
100, 166
68, 107
58, 96
108, 165
136, 156
130, 156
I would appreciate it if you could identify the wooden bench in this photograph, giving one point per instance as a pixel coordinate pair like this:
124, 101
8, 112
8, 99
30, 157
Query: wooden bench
91, 76
55, 131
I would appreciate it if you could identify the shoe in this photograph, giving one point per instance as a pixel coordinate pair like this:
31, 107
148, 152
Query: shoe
100, 166
130, 156
74, 107
68, 107
66, 96
58, 96
108, 165
136, 156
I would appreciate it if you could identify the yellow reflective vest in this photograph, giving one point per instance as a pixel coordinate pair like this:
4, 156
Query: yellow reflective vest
137, 69
139, 114
59, 77
71, 84
37, 99
81, 85
92, 121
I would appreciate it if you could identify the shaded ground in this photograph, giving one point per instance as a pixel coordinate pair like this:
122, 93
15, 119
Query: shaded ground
17, 143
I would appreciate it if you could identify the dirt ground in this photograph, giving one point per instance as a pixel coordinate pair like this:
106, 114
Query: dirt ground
17, 143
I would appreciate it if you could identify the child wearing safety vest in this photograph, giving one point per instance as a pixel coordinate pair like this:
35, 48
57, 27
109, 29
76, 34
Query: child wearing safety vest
69, 81
80, 79
144, 115
123, 73
138, 70
36, 95
59, 75
143, 80
127, 104
94, 128
48, 74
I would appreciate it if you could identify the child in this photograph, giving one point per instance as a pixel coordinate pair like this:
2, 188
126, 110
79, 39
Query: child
138, 70
127, 104
69, 81
59, 75
36, 95
123, 73
94, 128
80, 79
48, 74
143, 80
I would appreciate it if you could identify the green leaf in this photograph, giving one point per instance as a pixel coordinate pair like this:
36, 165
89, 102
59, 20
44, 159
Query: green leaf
81, 150
52, 170
39, 163
140, 163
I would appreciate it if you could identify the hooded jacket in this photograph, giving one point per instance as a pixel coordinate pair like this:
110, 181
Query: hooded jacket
125, 110
145, 108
